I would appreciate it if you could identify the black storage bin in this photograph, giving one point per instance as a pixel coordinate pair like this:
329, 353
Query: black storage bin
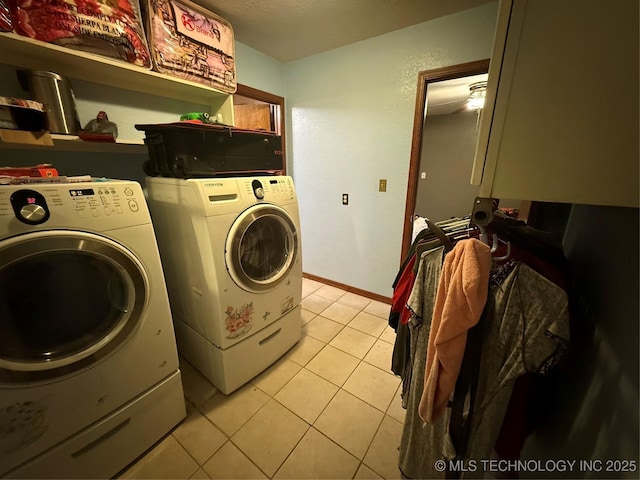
190, 150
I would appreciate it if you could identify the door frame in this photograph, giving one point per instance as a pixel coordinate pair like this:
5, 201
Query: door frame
424, 79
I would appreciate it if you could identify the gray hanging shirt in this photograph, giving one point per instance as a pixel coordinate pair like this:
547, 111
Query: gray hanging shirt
526, 331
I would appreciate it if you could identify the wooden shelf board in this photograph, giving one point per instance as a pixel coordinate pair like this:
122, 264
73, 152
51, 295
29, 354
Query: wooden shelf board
24, 52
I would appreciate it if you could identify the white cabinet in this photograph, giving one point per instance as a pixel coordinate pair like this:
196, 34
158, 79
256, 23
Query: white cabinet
23, 52
561, 117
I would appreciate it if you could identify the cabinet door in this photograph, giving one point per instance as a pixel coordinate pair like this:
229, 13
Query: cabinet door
561, 120
253, 117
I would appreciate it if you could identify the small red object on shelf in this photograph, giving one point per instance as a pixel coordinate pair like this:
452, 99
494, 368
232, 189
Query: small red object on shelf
96, 137
42, 170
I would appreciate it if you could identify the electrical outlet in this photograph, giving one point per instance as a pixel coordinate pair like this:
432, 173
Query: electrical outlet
382, 185
345, 199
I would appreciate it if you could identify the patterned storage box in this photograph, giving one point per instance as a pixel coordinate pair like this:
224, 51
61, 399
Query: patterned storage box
190, 42
112, 28
6, 24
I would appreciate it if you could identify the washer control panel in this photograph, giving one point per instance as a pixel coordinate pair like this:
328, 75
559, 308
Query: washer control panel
104, 199
281, 186
74, 204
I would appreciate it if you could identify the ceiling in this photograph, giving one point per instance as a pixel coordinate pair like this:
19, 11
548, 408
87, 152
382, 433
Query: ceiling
289, 30
450, 96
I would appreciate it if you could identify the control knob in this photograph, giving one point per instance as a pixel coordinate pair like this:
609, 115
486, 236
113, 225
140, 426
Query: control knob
29, 206
33, 213
258, 189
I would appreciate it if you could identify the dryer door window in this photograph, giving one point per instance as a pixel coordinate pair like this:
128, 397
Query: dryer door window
66, 300
261, 248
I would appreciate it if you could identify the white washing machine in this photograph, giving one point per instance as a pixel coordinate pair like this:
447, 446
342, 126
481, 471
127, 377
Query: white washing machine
89, 374
232, 257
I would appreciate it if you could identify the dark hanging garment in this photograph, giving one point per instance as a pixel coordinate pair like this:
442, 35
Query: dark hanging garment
526, 331
402, 289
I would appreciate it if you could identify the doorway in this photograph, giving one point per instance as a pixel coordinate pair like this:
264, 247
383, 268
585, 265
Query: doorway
426, 79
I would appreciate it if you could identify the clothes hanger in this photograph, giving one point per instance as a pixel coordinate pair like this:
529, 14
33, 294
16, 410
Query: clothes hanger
446, 241
430, 243
427, 245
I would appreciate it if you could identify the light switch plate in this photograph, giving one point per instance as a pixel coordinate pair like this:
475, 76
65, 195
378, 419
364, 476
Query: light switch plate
382, 186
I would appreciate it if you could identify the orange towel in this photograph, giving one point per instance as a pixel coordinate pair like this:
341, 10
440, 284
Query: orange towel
460, 299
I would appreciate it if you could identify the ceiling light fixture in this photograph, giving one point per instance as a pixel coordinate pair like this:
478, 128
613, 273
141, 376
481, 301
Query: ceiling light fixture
477, 94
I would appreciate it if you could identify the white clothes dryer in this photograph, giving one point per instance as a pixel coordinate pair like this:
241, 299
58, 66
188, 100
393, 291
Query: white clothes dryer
89, 374
232, 257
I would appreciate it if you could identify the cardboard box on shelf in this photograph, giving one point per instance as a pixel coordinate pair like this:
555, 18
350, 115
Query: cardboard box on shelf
24, 137
22, 114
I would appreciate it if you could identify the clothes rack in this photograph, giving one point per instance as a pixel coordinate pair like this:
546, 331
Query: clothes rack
525, 320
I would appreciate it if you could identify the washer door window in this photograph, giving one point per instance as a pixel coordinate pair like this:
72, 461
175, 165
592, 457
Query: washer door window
66, 300
261, 248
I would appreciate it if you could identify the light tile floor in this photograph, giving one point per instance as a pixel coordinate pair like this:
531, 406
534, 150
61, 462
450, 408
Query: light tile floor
328, 409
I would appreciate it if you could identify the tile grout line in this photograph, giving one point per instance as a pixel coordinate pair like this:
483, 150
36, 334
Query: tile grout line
309, 425
228, 438
360, 360
312, 425
254, 463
